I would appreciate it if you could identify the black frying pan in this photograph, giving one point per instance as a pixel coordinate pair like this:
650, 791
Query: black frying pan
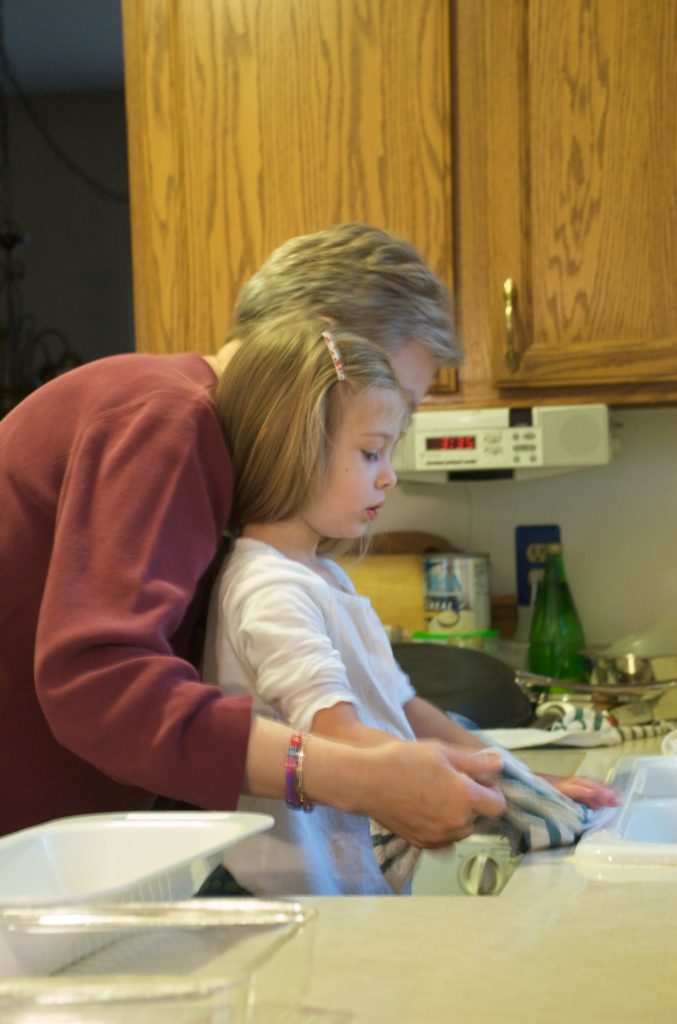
467, 682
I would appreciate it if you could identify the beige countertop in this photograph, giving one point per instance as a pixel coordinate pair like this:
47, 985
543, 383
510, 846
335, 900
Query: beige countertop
555, 945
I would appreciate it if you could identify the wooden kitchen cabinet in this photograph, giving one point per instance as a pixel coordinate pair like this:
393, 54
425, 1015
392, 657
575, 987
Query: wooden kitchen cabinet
254, 120
566, 177
251, 121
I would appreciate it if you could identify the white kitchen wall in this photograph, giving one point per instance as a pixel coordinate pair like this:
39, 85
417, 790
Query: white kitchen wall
618, 523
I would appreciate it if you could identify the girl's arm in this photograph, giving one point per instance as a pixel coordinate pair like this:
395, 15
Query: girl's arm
428, 721
340, 722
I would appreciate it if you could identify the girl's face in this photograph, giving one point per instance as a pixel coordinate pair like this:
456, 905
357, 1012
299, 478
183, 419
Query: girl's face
360, 467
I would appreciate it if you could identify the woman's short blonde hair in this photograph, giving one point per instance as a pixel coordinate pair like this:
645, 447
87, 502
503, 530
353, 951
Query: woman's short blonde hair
279, 399
361, 277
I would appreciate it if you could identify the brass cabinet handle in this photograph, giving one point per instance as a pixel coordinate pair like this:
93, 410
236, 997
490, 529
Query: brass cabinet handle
509, 301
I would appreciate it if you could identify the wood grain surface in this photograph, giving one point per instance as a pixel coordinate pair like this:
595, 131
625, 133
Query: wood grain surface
252, 121
394, 585
582, 181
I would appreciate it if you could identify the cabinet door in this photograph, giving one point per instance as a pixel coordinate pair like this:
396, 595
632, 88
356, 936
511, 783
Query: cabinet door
251, 121
582, 192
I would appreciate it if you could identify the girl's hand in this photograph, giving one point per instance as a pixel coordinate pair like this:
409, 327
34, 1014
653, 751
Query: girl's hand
590, 792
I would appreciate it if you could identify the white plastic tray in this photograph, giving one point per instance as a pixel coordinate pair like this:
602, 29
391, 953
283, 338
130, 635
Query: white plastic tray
643, 831
162, 855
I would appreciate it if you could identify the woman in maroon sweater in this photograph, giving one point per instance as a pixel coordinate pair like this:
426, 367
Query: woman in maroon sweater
115, 490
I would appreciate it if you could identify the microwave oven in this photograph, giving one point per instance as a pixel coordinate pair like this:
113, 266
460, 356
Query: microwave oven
481, 443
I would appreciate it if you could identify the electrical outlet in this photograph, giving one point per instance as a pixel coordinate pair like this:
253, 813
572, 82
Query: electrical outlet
530, 543
535, 552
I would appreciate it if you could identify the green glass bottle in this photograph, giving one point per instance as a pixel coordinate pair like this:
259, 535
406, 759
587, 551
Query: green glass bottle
556, 638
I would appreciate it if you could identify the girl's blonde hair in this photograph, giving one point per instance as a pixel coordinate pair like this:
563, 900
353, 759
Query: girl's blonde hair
361, 277
279, 400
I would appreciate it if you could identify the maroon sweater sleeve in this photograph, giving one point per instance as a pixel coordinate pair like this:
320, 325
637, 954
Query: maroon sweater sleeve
140, 511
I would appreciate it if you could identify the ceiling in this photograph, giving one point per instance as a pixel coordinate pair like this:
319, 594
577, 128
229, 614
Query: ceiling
64, 45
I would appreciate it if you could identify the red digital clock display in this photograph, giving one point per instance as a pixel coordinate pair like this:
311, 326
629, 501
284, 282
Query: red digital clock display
459, 442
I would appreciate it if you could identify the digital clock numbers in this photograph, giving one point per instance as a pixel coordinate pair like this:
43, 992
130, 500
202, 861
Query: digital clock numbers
451, 443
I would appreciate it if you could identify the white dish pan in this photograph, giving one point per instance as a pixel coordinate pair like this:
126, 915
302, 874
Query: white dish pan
93, 858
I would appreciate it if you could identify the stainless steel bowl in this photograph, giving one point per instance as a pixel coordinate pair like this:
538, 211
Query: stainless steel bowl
623, 670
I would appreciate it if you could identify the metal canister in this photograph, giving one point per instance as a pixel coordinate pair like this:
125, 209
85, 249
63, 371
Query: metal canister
456, 593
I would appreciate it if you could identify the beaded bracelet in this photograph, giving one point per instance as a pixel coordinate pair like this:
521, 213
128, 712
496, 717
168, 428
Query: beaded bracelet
294, 794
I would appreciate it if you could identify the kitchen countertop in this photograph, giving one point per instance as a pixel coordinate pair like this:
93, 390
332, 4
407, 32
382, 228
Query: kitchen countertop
555, 945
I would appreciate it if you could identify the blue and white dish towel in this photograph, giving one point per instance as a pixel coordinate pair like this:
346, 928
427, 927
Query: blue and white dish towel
536, 817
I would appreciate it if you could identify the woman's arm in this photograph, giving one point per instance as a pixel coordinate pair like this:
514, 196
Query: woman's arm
429, 792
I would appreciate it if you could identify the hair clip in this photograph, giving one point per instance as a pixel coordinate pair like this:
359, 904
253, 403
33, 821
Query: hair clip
334, 353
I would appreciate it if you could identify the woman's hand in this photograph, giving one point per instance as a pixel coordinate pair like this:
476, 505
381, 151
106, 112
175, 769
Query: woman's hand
590, 792
430, 793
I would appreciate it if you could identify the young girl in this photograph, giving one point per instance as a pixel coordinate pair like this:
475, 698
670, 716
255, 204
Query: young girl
312, 415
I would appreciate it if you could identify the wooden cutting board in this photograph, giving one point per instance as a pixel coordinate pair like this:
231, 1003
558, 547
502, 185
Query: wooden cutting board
394, 585
391, 575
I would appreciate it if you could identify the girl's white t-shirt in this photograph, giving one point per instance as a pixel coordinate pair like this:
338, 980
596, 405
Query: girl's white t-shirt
281, 632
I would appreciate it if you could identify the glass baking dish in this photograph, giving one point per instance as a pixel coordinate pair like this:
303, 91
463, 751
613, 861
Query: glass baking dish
208, 961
